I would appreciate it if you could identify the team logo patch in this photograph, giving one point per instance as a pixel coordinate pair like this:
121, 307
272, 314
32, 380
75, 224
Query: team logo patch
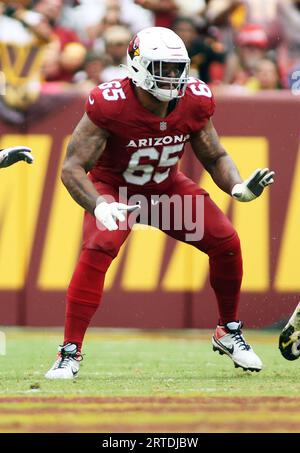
133, 48
163, 126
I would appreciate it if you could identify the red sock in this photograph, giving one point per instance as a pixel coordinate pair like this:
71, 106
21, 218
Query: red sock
226, 271
84, 293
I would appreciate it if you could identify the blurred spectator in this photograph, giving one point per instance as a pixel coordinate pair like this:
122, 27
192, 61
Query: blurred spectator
85, 14
289, 53
116, 40
51, 11
252, 44
92, 72
185, 27
165, 11
50, 63
62, 65
110, 17
261, 11
23, 34
190, 8
121, 12
264, 13
135, 16
19, 25
89, 16
70, 53
71, 60
204, 51
252, 35
266, 77
228, 16
218, 12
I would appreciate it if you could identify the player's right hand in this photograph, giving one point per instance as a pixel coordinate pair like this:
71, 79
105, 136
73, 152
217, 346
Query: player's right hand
253, 187
108, 213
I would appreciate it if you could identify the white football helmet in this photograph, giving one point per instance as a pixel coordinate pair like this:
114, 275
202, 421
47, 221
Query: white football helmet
158, 62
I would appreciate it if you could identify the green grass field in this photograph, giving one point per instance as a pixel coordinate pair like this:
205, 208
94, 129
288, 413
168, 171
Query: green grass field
157, 381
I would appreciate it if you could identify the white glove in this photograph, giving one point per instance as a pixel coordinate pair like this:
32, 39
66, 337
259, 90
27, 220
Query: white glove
253, 186
10, 156
108, 213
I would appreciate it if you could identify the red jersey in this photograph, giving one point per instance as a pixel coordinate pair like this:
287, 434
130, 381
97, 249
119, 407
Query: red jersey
143, 149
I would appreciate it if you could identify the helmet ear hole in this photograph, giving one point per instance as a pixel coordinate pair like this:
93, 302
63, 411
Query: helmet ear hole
148, 84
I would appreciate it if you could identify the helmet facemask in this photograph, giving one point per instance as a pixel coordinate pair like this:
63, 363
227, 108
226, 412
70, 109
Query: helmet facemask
167, 80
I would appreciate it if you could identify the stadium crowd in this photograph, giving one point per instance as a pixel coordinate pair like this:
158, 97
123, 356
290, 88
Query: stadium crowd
55, 46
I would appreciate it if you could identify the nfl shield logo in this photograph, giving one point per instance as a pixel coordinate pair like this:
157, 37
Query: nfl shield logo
163, 126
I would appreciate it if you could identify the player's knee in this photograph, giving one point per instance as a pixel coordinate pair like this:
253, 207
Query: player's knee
104, 246
233, 246
227, 266
109, 247
96, 258
230, 247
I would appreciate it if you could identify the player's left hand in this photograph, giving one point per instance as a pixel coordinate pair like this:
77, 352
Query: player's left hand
253, 187
10, 156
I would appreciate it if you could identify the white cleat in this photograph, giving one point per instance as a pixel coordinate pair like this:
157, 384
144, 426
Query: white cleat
289, 339
229, 340
67, 363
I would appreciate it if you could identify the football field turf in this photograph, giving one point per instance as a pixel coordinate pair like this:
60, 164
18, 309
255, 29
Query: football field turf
146, 381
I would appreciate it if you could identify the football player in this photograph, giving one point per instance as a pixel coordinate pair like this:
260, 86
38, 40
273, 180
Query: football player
132, 135
10, 156
289, 339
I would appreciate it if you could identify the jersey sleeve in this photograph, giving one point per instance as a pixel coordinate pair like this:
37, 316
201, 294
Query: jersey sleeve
209, 107
204, 98
201, 104
94, 108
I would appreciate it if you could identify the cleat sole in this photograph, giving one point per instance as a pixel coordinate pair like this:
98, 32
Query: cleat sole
287, 340
218, 350
252, 370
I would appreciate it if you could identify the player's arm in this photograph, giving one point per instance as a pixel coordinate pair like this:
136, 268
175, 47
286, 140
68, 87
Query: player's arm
209, 151
214, 158
86, 145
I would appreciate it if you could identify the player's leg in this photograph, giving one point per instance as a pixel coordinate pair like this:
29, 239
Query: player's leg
221, 243
289, 339
85, 290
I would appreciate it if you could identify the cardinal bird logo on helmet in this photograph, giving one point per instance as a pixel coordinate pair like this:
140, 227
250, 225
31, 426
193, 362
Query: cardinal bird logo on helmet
133, 48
